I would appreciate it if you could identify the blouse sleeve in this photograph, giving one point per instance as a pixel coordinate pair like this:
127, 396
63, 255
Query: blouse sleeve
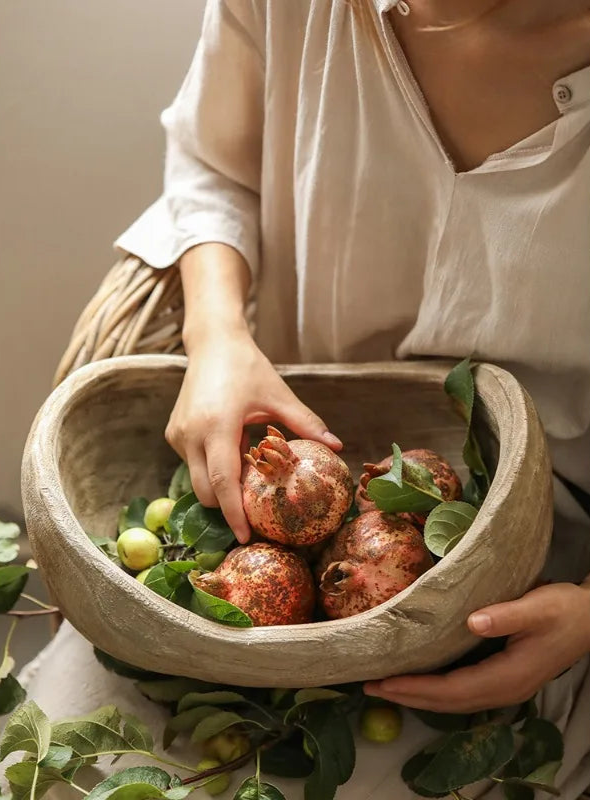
214, 145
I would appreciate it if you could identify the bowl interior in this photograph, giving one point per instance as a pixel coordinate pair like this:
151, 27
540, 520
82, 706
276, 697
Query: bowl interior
111, 443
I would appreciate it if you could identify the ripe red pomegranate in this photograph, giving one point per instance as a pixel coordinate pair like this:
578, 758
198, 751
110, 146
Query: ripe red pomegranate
296, 492
270, 584
445, 478
370, 560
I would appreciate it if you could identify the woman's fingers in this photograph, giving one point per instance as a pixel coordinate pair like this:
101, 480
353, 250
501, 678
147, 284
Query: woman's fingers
302, 421
224, 467
511, 617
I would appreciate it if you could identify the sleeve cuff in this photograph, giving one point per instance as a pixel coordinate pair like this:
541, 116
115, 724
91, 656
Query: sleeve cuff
160, 240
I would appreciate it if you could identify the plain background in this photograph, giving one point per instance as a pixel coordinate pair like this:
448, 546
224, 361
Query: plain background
82, 84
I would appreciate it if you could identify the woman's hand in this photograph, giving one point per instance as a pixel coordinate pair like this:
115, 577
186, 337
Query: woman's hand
549, 630
228, 384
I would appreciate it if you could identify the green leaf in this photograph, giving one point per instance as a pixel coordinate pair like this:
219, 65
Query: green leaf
207, 562
12, 582
252, 788
167, 691
329, 731
213, 724
156, 777
122, 668
108, 546
9, 548
137, 733
57, 757
542, 779
21, 777
467, 757
218, 610
544, 774
95, 733
135, 515
143, 790
217, 697
178, 513
11, 694
407, 487
317, 694
541, 742
27, 729
446, 526
413, 767
187, 720
181, 482
459, 385
174, 570
286, 759
312, 694
157, 580
206, 530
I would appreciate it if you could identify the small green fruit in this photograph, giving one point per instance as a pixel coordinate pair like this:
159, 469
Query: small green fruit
381, 724
143, 575
226, 746
216, 785
139, 548
157, 514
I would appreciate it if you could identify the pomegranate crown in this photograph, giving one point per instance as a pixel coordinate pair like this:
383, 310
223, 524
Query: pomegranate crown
273, 455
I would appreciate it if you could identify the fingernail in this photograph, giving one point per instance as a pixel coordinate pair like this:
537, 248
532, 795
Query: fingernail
332, 440
370, 689
480, 623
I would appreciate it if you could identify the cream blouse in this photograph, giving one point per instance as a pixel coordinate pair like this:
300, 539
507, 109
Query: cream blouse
297, 141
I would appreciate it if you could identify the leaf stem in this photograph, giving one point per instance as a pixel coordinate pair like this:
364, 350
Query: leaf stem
149, 754
77, 787
34, 782
8, 639
34, 600
51, 610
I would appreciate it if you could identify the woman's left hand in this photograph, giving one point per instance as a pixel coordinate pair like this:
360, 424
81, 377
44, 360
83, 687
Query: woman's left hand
549, 630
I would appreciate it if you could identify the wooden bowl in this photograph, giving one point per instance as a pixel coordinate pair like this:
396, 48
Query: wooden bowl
98, 441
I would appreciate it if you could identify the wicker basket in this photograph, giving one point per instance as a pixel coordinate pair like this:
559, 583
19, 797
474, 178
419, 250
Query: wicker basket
137, 309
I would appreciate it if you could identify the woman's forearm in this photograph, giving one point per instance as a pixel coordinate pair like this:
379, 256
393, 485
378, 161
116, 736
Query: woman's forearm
215, 281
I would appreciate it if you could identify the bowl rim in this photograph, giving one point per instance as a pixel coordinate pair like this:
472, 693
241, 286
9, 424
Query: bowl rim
42, 450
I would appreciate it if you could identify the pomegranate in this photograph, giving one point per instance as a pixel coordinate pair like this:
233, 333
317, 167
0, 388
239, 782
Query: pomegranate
270, 584
296, 492
445, 478
370, 560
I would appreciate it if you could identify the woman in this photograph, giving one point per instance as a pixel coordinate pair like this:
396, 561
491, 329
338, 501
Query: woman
389, 179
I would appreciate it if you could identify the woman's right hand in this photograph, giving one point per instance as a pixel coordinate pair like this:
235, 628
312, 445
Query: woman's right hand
229, 383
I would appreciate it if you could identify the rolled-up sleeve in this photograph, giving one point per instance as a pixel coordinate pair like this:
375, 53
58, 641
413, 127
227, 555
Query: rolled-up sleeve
213, 145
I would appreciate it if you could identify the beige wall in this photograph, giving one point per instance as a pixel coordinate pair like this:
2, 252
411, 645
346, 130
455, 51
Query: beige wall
81, 85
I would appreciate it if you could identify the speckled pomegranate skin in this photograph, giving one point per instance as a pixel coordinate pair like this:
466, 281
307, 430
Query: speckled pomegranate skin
270, 584
301, 497
370, 560
443, 474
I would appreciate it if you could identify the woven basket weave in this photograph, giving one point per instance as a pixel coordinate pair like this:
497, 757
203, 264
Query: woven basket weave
137, 309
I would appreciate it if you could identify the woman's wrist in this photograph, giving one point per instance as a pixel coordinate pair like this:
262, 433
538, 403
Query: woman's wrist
196, 334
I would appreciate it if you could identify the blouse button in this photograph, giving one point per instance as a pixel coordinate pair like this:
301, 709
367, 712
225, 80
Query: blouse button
562, 93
